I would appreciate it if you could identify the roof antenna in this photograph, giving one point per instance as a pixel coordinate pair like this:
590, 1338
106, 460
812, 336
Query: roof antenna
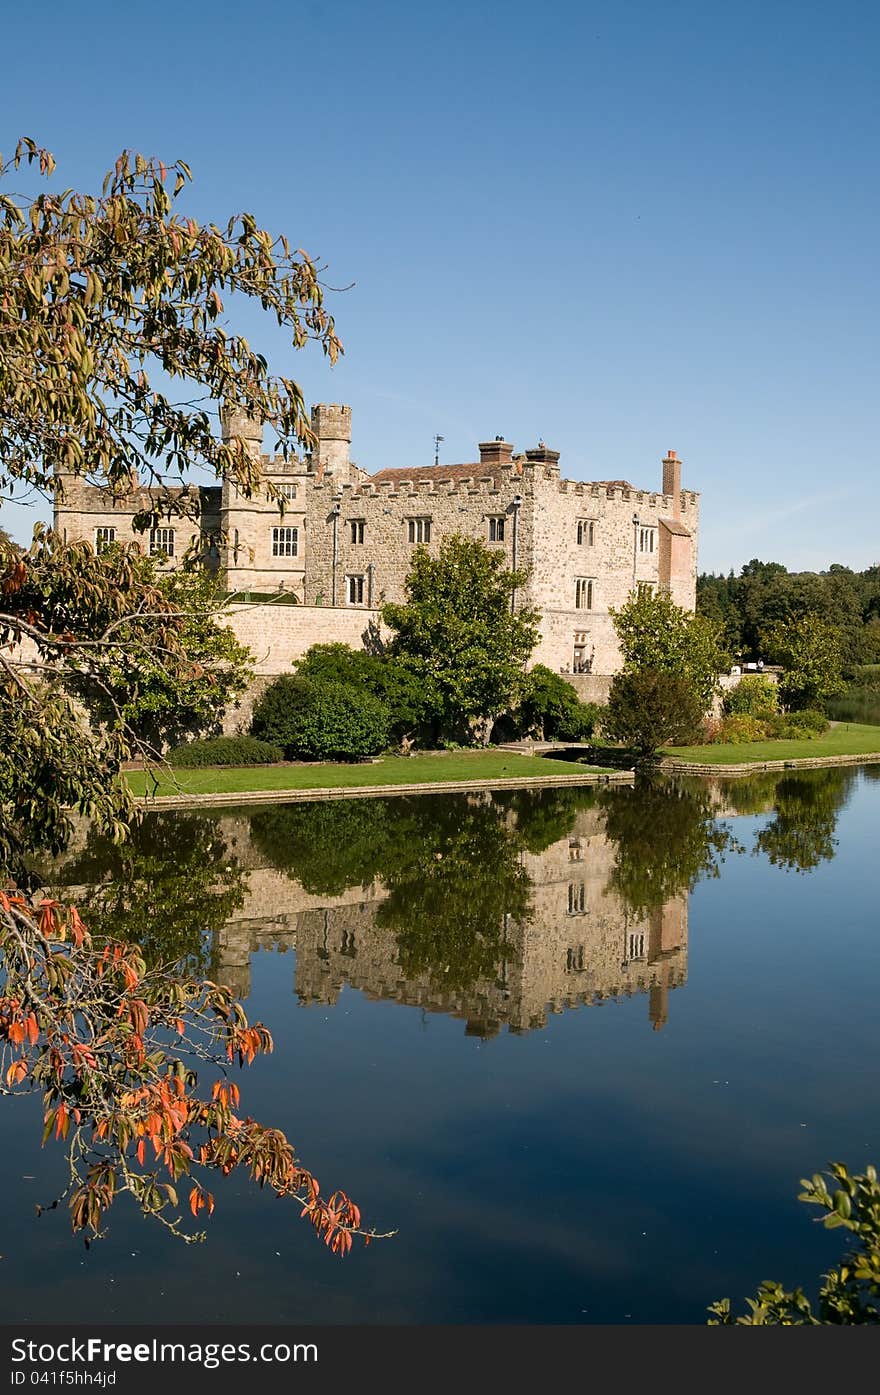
437, 440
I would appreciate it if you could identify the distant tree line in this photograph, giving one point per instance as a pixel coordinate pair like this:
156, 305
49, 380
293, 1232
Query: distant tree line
751, 607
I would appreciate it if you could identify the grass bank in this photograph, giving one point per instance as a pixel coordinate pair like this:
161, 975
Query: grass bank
845, 739
388, 770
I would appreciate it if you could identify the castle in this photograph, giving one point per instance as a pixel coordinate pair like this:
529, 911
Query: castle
339, 541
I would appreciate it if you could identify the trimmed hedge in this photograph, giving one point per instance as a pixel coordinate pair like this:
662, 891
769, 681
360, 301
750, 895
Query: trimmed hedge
225, 750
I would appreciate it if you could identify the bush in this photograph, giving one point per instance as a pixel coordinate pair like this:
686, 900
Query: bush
225, 750
797, 726
650, 708
551, 710
741, 728
327, 722
753, 696
378, 675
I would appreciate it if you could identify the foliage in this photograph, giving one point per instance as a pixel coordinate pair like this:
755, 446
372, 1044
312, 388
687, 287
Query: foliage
754, 696
459, 637
766, 594
550, 709
809, 649
850, 1292
103, 299
103, 292
379, 675
116, 1049
181, 688
326, 722
650, 708
740, 729
224, 750
109, 662
656, 634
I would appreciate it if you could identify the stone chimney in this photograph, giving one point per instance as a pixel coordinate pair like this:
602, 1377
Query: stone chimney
331, 424
672, 481
543, 456
497, 452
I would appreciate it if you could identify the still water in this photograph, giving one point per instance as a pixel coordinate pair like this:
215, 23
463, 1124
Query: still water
576, 1047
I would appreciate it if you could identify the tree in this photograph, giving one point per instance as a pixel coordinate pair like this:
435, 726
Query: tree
459, 636
103, 299
111, 343
850, 1293
655, 633
809, 649
115, 1049
107, 303
650, 708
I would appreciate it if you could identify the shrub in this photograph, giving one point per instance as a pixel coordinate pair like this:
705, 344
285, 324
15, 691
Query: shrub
797, 726
327, 722
650, 708
753, 696
225, 750
378, 675
741, 728
551, 709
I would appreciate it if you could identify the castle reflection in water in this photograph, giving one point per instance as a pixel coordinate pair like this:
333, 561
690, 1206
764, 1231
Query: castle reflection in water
573, 942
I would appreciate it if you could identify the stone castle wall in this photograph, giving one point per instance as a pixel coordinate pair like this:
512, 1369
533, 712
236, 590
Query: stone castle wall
347, 540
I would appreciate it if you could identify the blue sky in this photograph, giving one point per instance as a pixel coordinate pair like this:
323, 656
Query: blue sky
621, 227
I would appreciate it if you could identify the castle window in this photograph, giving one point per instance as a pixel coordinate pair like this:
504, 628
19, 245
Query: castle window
355, 590
574, 960
647, 539
357, 530
285, 542
104, 538
286, 491
583, 593
637, 945
235, 545
419, 530
586, 533
162, 540
577, 898
575, 850
645, 588
496, 530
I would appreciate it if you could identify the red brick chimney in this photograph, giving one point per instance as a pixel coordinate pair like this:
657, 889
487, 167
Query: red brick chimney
672, 481
497, 452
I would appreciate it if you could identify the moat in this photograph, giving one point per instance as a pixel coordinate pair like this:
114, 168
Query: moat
576, 1046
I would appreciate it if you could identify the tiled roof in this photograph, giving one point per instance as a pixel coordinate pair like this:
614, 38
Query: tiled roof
436, 472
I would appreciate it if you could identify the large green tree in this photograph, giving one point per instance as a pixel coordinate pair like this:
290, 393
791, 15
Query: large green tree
654, 633
809, 650
459, 635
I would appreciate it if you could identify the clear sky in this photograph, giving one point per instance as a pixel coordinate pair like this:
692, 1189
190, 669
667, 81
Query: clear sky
621, 227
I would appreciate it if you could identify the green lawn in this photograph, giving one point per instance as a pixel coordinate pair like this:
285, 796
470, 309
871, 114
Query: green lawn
846, 739
389, 770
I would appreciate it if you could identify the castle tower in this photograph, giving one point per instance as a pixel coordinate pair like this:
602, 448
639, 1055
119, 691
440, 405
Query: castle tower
238, 425
331, 424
